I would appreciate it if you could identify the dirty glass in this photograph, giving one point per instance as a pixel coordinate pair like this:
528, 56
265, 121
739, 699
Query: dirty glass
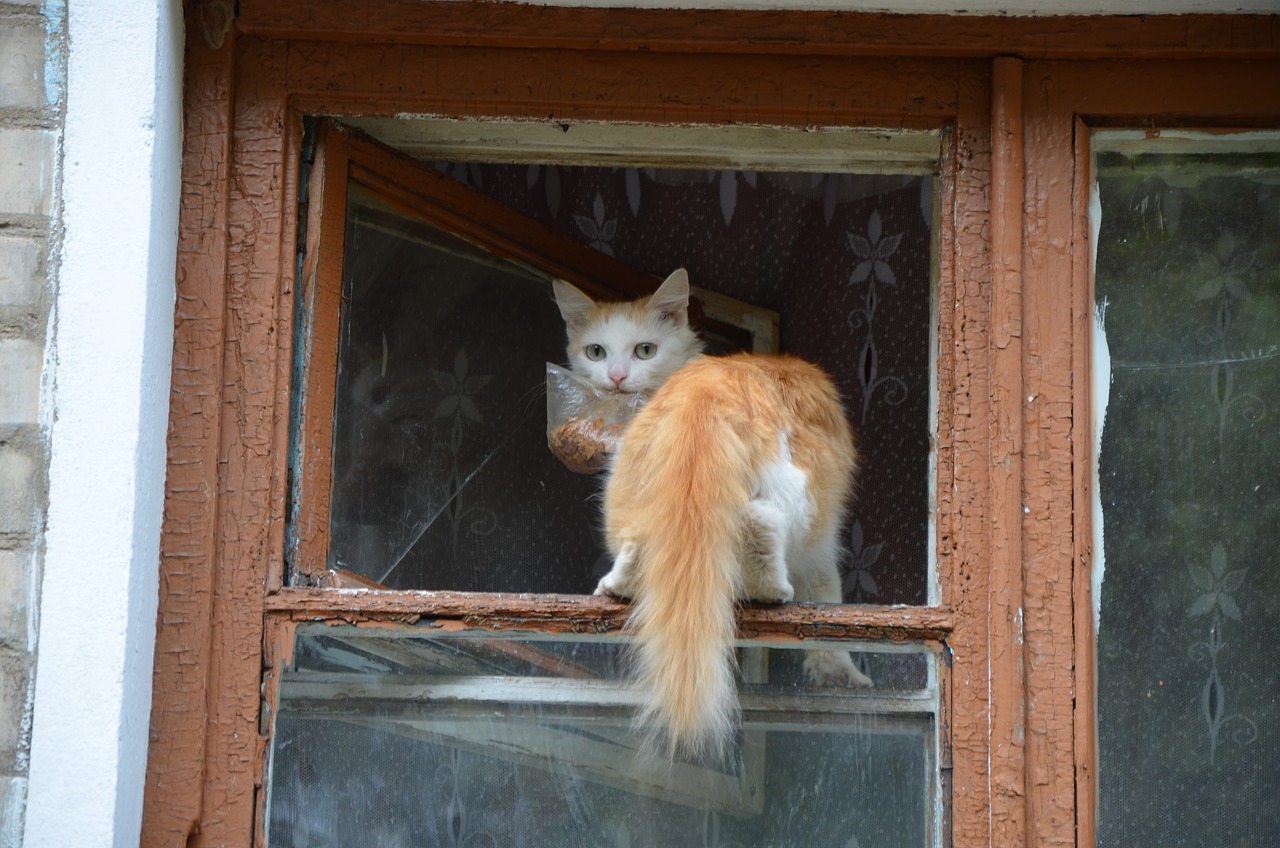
417, 737
441, 474
1188, 373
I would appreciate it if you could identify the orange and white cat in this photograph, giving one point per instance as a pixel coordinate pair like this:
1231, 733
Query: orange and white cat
731, 484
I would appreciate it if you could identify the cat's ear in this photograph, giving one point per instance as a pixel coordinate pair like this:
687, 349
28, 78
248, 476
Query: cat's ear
575, 306
672, 298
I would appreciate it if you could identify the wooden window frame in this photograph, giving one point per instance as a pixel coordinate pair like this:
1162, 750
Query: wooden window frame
1013, 486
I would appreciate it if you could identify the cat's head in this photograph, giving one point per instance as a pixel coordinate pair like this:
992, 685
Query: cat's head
629, 347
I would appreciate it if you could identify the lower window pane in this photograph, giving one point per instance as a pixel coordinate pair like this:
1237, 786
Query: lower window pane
465, 740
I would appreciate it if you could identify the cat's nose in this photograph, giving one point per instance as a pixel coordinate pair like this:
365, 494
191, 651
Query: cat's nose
617, 377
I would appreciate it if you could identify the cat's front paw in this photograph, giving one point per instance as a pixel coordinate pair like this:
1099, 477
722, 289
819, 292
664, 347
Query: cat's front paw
610, 587
834, 668
618, 583
773, 593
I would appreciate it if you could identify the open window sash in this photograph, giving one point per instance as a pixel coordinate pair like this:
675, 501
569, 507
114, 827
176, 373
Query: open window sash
359, 188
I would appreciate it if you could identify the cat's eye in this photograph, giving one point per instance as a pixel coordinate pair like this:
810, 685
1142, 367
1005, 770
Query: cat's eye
595, 352
646, 350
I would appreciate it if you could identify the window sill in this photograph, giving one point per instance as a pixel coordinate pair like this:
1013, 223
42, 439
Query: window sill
590, 613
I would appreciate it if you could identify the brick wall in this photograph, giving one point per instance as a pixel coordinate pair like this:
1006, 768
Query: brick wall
30, 126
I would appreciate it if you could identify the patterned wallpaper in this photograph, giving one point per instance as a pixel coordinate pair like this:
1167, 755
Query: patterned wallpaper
844, 259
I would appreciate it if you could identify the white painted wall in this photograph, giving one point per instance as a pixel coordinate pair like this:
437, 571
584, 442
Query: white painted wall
106, 398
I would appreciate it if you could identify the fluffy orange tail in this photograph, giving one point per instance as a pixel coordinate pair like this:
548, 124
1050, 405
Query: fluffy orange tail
682, 481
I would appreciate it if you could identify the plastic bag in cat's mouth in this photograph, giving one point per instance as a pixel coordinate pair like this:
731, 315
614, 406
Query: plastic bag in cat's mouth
585, 424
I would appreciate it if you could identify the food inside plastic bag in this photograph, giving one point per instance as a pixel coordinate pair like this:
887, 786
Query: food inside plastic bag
585, 424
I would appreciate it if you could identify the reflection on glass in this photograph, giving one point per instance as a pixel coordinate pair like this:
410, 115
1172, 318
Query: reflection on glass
1188, 277
441, 475
415, 738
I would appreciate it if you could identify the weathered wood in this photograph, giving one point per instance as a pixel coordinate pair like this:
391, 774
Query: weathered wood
964, 544
321, 292
595, 614
760, 32
189, 543
547, 85
1008, 704
221, 514
1048, 419
1085, 683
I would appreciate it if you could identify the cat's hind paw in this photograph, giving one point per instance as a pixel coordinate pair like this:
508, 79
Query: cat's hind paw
834, 668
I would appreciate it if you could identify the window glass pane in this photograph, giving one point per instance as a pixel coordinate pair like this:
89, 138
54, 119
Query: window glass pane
441, 474
413, 738
442, 478
1188, 279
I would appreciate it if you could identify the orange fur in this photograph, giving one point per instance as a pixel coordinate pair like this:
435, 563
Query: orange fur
679, 519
